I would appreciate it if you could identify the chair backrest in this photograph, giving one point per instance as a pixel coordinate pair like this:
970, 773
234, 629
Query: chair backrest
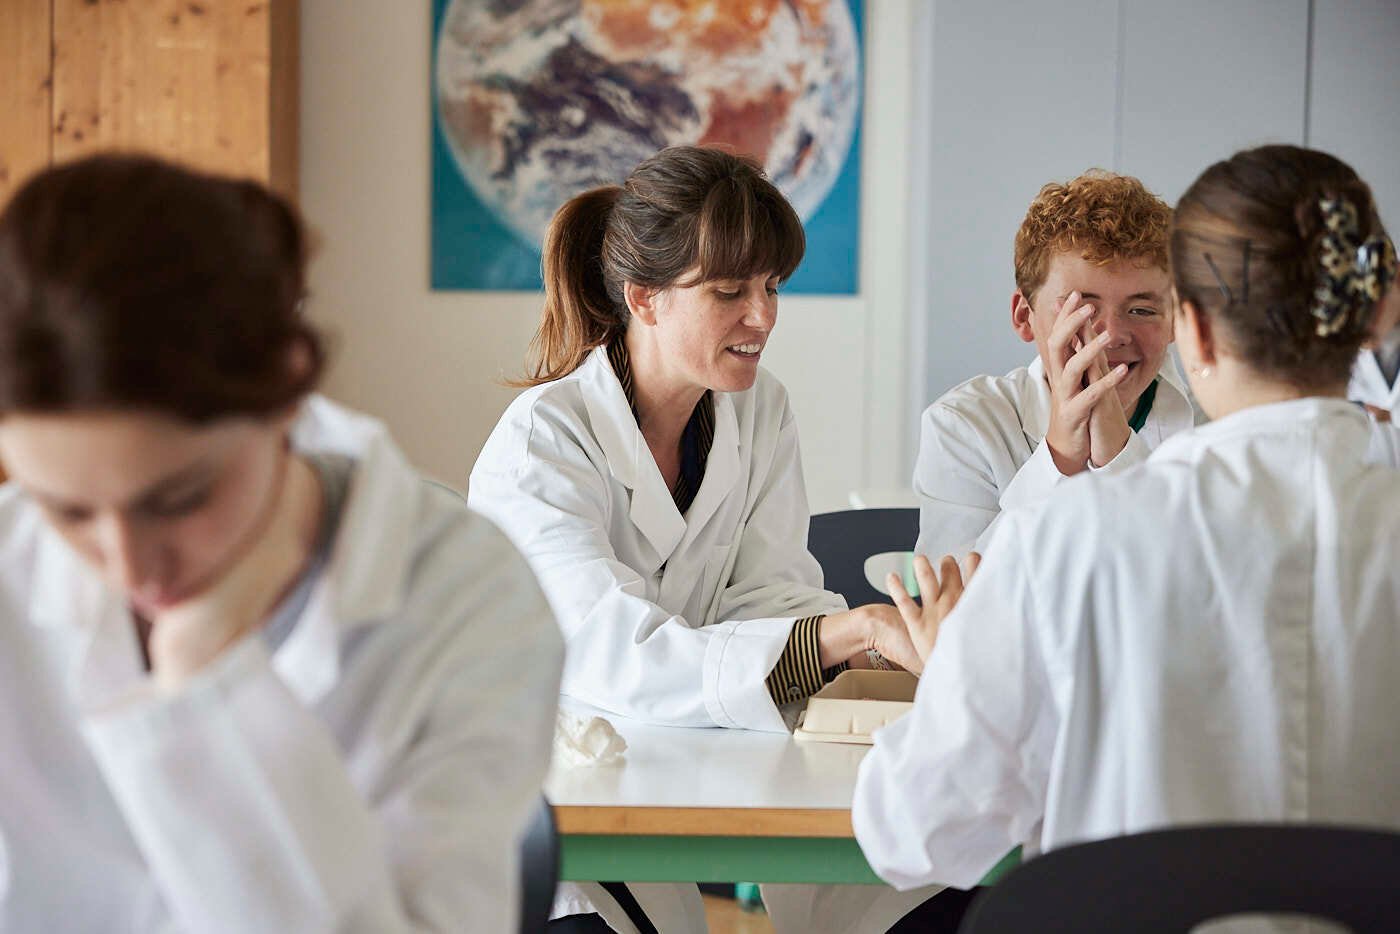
1173, 880
841, 541
539, 868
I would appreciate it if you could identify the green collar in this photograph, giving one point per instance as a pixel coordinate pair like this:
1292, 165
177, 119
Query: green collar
1144, 407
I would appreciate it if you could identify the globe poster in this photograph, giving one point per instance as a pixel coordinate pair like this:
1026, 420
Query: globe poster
537, 100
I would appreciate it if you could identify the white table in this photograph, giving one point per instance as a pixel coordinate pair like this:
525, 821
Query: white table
711, 805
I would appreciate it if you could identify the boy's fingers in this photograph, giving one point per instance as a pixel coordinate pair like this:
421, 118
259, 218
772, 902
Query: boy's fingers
928, 581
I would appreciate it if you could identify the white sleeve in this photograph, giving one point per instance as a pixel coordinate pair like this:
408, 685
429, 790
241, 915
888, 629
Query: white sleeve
252, 818
1134, 452
955, 784
773, 572
955, 484
625, 653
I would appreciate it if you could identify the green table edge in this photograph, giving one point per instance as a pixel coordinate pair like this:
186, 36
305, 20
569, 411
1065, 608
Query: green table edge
650, 858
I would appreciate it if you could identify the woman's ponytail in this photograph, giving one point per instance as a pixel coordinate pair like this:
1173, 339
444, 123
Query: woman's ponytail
579, 314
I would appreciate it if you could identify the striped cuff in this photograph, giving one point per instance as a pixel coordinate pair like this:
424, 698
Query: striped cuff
799, 673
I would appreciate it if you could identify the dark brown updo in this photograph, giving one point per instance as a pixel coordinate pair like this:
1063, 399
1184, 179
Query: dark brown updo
1249, 248
127, 282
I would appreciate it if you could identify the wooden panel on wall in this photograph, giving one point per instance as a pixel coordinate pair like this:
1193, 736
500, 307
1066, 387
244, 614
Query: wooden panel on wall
190, 79
24, 92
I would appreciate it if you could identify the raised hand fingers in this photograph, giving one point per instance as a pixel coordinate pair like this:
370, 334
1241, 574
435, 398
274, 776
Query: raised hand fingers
1068, 321
928, 581
908, 609
1097, 390
1083, 361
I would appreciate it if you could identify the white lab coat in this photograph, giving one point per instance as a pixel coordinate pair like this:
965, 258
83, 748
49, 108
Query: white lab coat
982, 451
1368, 385
371, 774
1214, 636
668, 619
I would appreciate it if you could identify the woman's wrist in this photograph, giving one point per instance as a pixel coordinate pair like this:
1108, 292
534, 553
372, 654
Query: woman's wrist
844, 637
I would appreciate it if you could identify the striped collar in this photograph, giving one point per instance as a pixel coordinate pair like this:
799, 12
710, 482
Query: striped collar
696, 440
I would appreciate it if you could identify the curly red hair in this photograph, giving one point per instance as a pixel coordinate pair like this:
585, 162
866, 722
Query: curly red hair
1101, 215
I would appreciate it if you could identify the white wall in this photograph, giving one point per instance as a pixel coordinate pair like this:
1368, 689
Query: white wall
1025, 93
427, 362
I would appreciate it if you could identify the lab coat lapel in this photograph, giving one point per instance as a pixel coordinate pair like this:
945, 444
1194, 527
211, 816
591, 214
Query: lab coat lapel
722, 467
652, 510
1368, 383
1035, 404
368, 572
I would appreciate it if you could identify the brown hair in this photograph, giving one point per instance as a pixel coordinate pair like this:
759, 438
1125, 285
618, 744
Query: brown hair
1257, 218
685, 208
128, 282
1103, 216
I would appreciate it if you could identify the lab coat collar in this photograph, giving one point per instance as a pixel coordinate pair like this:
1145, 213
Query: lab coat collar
1035, 403
365, 581
1347, 421
1368, 383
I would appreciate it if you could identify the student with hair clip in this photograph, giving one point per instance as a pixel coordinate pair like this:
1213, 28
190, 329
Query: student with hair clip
651, 476
1212, 636
251, 669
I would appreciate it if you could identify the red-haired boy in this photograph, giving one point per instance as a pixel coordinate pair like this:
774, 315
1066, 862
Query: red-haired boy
1092, 294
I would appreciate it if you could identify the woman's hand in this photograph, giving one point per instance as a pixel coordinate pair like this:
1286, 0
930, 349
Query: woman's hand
848, 636
192, 633
923, 622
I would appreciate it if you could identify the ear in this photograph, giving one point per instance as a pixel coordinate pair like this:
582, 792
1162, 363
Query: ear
1021, 312
1195, 335
641, 302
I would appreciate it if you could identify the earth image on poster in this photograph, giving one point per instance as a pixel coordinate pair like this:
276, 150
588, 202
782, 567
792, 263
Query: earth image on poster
541, 99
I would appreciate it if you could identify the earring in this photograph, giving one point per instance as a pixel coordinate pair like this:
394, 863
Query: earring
1204, 372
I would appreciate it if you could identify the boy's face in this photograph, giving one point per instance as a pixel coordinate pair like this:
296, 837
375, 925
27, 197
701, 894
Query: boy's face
1130, 299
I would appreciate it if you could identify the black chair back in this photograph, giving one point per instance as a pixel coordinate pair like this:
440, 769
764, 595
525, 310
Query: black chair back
539, 869
1170, 881
841, 541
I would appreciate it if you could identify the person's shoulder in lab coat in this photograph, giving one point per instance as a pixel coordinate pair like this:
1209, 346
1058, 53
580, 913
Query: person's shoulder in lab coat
1375, 377
1091, 294
265, 653
1125, 657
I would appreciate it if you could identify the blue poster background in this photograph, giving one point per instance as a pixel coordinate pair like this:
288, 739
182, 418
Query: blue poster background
472, 250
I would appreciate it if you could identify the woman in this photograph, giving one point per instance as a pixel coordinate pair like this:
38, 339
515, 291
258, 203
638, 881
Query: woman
651, 475
251, 673
1211, 637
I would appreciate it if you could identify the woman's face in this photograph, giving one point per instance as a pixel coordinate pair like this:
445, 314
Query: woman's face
712, 334
158, 507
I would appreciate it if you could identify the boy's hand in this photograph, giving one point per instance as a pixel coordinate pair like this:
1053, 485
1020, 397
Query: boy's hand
1076, 386
1108, 425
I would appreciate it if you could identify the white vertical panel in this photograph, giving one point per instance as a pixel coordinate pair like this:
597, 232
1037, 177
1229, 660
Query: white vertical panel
1355, 106
1203, 79
1023, 93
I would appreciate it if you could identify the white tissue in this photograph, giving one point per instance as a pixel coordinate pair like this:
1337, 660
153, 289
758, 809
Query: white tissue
591, 741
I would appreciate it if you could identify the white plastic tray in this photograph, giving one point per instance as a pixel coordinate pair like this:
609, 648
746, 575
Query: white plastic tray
856, 704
